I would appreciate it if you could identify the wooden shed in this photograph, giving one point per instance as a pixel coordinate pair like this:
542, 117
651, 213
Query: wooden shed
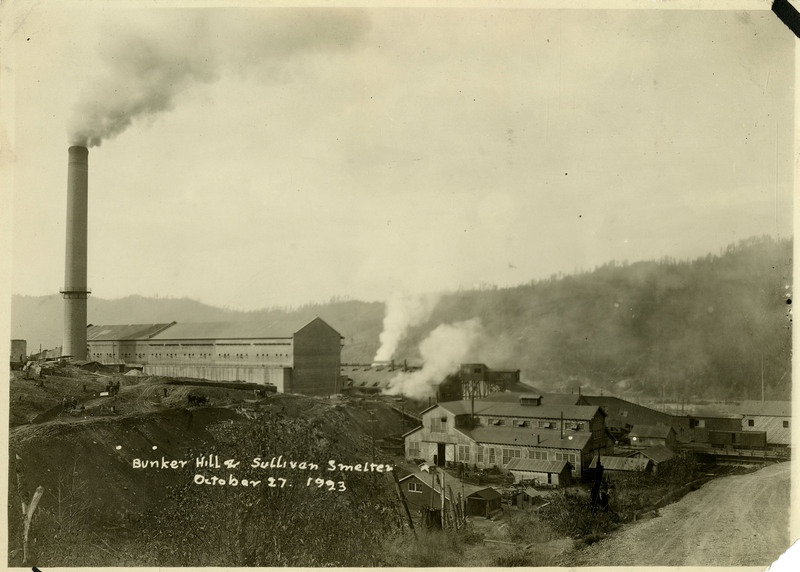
483, 502
539, 472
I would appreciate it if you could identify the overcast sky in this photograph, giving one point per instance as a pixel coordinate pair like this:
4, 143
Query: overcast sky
288, 156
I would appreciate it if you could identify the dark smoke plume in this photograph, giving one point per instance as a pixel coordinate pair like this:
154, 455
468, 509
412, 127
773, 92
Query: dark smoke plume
146, 67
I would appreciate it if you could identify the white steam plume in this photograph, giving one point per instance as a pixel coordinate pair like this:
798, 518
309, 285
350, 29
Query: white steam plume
403, 312
146, 65
442, 352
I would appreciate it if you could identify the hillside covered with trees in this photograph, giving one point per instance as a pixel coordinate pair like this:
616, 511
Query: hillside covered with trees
671, 329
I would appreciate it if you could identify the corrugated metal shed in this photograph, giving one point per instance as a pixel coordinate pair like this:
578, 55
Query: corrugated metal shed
622, 463
536, 465
124, 332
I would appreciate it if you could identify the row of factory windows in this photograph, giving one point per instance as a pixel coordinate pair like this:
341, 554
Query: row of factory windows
439, 424
489, 455
158, 356
752, 422
541, 424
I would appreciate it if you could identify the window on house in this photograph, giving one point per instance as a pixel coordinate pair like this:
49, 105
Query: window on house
463, 453
541, 455
480, 454
413, 449
785, 424
492, 458
509, 454
545, 424
751, 422
519, 423
439, 424
414, 487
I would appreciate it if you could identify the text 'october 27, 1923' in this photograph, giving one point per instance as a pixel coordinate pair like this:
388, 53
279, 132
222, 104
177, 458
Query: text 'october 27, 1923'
205, 465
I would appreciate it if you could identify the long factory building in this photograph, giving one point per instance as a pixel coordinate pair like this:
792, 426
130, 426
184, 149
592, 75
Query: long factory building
296, 357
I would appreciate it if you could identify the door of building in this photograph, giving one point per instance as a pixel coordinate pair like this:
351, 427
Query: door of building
440, 459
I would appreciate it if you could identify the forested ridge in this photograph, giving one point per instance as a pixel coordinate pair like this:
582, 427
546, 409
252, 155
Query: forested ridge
677, 329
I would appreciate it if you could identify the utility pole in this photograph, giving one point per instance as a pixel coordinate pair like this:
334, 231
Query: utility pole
403, 402
372, 422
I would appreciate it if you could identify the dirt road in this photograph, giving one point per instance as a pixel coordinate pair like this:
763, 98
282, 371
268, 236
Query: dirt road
739, 520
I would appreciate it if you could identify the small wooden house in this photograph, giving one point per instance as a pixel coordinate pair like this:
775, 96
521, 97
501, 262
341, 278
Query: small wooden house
658, 454
643, 436
483, 502
539, 472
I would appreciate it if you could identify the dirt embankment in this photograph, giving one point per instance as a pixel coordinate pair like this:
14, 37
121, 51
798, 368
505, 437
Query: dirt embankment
740, 520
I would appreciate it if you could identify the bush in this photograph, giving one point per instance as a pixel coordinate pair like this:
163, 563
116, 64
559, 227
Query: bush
431, 548
572, 516
522, 558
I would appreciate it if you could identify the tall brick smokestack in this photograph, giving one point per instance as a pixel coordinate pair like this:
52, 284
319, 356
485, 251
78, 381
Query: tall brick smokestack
75, 291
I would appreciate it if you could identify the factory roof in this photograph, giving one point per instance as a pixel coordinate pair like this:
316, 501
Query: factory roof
768, 408
536, 465
621, 463
509, 409
279, 328
545, 438
124, 332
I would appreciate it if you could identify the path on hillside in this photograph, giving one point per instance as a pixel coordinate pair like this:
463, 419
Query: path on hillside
740, 520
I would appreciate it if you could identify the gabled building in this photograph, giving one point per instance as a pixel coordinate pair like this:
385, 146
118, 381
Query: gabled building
498, 432
648, 435
295, 356
772, 417
659, 455
421, 491
483, 502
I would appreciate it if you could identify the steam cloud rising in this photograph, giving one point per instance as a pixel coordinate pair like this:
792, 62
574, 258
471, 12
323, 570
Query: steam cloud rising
442, 352
402, 312
145, 67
